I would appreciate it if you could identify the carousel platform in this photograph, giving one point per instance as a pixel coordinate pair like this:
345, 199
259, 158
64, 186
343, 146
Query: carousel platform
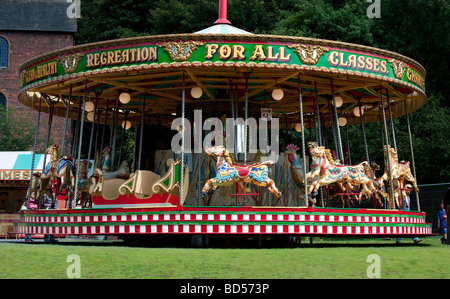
251, 220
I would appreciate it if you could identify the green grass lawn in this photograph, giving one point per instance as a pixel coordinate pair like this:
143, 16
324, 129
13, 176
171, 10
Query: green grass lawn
329, 258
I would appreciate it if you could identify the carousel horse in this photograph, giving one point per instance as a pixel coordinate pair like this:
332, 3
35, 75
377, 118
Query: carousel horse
84, 199
41, 186
297, 169
229, 173
123, 172
61, 169
57, 174
377, 182
401, 173
331, 173
94, 184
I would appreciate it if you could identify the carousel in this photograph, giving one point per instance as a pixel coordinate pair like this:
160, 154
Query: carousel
203, 111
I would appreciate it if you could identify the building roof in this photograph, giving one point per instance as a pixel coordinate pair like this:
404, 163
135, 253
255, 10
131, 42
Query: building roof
10, 161
36, 15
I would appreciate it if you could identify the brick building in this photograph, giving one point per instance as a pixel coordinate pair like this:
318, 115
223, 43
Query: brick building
29, 28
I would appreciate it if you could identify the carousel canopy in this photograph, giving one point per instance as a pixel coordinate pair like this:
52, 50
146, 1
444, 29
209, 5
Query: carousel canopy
228, 64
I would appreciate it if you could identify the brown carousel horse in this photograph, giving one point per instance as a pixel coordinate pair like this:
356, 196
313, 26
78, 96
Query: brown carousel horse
378, 183
229, 173
84, 199
58, 174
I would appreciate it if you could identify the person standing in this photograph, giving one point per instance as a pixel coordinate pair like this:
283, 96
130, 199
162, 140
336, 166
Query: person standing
50, 204
29, 205
442, 222
406, 207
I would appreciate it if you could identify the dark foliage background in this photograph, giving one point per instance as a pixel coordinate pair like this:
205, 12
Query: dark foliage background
415, 28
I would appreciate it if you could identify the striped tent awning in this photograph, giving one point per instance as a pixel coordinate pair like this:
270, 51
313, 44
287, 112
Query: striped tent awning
17, 165
222, 28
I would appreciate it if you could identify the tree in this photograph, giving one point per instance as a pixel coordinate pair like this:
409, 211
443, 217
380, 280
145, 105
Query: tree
16, 131
417, 29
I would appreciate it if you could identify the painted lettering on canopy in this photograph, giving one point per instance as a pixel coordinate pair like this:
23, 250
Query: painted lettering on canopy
358, 62
123, 56
239, 52
415, 77
41, 71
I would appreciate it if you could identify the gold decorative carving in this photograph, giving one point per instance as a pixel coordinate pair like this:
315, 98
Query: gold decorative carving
180, 51
308, 54
398, 67
70, 62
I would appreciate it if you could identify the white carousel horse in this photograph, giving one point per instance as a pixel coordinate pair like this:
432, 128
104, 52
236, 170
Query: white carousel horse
331, 173
401, 172
229, 173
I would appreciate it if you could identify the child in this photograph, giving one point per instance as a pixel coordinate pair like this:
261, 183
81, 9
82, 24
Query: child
31, 206
442, 223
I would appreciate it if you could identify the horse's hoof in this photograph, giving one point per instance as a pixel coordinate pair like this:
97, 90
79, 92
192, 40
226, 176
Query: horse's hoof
204, 194
315, 193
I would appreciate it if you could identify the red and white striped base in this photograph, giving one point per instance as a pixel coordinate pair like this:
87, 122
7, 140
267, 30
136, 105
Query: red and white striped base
224, 220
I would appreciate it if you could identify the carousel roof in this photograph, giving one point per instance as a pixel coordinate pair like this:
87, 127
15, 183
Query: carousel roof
222, 29
224, 62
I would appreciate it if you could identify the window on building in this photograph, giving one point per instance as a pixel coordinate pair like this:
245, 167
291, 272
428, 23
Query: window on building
3, 52
2, 100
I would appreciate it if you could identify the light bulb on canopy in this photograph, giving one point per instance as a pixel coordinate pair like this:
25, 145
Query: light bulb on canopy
126, 125
90, 116
339, 101
124, 97
356, 111
342, 121
89, 106
196, 92
277, 94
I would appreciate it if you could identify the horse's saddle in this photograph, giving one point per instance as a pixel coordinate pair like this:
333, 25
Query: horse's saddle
244, 170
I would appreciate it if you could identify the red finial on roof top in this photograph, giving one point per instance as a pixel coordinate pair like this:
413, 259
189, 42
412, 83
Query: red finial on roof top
222, 13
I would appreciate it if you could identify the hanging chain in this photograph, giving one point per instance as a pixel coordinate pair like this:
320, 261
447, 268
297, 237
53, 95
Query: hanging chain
142, 134
300, 99
388, 162
66, 121
338, 131
92, 133
317, 116
36, 133
392, 121
77, 176
183, 108
245, 122
412, 153
49, 127
319, 132
333, 127
363, 127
